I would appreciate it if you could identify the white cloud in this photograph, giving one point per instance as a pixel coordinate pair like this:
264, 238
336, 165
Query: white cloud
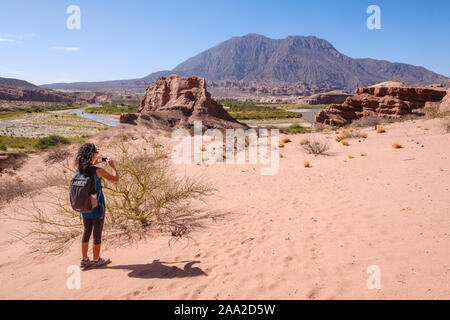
4, 71
19, 36
70, 49
7, 40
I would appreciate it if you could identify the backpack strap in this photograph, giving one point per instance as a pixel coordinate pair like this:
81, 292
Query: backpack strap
92, 171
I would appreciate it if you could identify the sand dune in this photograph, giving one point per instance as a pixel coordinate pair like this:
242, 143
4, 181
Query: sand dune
304, 233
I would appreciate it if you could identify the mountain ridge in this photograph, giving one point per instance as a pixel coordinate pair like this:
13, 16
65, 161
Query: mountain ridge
312, 62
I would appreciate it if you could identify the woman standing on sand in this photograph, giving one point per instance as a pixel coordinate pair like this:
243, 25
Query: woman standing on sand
87, 158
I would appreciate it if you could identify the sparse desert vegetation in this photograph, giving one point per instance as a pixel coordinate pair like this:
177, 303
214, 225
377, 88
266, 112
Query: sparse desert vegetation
261, 113
296, 128
147, 199
316, 147
116, 109
397, 145
380, 129
350, 134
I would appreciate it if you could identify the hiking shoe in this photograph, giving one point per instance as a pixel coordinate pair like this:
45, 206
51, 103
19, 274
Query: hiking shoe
100, 262
85, 263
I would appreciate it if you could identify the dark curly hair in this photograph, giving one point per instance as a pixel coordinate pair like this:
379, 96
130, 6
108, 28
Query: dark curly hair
84, 157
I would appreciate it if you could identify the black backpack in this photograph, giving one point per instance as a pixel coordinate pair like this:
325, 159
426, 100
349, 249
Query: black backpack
83, 191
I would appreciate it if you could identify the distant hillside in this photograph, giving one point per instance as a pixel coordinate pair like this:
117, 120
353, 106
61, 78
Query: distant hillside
15, 83
308, 63
20, 90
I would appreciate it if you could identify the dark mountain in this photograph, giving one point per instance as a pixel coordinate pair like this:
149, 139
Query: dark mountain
15, 83
309, 62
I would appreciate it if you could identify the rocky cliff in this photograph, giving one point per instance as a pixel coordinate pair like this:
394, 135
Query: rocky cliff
391, 99
176, 102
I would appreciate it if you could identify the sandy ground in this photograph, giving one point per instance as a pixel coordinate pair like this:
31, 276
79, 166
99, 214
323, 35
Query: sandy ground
304, 233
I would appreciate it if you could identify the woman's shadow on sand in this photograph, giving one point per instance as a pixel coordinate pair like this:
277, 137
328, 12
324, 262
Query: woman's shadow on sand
158, 269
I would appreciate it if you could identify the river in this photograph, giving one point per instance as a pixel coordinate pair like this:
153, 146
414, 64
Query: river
107, 119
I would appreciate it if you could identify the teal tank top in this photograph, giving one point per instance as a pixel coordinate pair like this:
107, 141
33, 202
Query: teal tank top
98, 212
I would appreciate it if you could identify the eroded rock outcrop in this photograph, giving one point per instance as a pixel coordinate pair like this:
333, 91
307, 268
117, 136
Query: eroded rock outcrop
34, 94
445, 104
337, 97
176, 102
390, 99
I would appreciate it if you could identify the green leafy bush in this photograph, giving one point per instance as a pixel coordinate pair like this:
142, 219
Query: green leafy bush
296, 128
51, 141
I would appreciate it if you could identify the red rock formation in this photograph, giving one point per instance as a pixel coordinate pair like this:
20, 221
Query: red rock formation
391, 99
337, 96
445, 104
33, 94
176, 102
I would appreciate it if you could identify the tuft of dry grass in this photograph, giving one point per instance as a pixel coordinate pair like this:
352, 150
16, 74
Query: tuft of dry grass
316, 147
306, 164
370, 121
380, 129
303, 142
345, 143
281, 145
350, 133
397, 145
286, 140
363, 154
351, 157
426, 128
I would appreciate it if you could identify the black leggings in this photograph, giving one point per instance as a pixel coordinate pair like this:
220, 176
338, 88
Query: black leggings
97, 225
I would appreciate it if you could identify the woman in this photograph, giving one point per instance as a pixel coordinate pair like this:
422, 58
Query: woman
86, 160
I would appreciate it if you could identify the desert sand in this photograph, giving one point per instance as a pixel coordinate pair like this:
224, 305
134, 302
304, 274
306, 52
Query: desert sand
304, 233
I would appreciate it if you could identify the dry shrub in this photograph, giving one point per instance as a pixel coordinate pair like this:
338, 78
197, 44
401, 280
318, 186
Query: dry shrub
345, 143
306, 164
350, 134
431, 110
320, 127
316, 147
148, 199
380, 129
286, 140
397, 145
370, 121
303, 142
11, 189
447, 127
57, 155
14, 188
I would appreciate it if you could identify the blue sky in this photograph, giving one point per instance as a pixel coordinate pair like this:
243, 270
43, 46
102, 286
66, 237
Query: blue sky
130, 39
